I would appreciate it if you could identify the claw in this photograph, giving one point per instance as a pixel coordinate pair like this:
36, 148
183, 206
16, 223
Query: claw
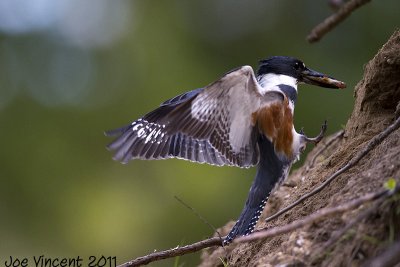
319, 136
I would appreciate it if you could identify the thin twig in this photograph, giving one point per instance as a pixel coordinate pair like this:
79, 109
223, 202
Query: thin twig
330, 22
264, 233
332, 140
336, 236
173, 252
200, 217
371, 144
390, 257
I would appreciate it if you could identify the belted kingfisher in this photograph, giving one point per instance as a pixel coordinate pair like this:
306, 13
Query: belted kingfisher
240, 120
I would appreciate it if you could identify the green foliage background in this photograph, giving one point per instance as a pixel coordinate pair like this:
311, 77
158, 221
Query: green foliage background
61, 194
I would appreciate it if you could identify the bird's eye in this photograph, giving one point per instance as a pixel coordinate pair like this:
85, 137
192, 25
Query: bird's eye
299, 65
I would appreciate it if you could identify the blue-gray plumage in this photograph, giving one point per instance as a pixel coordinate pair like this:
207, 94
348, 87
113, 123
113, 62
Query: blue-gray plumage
289, 91
270, 172
240, 120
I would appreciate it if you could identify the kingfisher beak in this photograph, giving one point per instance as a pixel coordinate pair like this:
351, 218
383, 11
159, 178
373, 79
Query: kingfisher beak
319, 79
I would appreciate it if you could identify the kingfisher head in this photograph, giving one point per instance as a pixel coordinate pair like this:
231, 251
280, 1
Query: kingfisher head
292, 71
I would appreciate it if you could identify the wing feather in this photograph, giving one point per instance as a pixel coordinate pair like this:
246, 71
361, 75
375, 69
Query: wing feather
208, 125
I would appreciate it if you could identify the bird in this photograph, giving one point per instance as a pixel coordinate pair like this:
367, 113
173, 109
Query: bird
243, 119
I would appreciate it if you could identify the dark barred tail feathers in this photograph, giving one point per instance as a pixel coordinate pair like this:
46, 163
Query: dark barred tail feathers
132, 144
270, 172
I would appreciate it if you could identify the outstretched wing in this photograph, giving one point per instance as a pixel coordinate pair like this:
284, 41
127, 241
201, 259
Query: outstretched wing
212, 125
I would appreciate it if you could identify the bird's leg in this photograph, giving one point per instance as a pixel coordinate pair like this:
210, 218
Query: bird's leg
316, 139
305, 139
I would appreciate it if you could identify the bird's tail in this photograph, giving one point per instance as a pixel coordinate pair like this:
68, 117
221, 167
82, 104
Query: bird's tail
249, 216
271, 170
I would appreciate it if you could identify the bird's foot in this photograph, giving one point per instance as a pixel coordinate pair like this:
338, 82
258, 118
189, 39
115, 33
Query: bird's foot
318, 138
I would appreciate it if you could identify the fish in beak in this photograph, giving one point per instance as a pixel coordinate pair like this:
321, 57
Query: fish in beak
315, 78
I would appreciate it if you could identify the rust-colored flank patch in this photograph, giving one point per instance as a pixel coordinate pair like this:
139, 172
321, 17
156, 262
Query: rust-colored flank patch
276, 123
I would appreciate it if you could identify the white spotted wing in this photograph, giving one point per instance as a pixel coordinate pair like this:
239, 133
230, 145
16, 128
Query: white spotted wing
211, 125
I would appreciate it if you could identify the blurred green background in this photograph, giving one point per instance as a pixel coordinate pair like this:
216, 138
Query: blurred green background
70, 69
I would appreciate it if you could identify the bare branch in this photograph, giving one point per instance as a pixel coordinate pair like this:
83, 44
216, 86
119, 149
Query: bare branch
314, 217
173, 252
330, 22
336, 236
337, 136
199, 216
388, 258
371, 144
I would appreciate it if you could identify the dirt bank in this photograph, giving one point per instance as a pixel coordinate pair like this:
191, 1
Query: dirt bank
377, 104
